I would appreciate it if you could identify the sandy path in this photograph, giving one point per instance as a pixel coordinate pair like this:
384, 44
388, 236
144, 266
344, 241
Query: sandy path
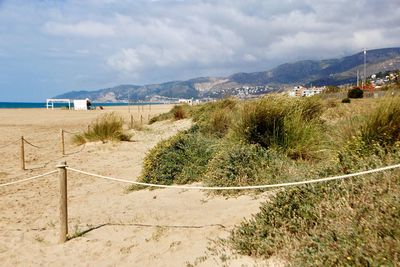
166, 227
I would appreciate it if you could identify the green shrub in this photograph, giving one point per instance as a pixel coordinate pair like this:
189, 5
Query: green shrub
240, 164
346, 100
355, 93
108, 127
179, 159
347, 223
237, 165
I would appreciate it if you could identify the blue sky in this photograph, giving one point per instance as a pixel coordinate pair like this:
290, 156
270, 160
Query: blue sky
48, 47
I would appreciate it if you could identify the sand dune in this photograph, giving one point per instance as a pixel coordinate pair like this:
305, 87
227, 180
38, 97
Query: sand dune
167, 227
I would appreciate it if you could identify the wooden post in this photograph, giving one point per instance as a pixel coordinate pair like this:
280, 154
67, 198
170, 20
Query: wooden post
148, 117
141, 119
22, 153
88, 128
62, 142
131, 121
62, 176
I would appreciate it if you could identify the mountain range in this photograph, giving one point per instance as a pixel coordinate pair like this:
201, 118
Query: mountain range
316, 72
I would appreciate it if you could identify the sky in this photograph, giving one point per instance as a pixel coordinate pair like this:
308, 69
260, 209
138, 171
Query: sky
49, 47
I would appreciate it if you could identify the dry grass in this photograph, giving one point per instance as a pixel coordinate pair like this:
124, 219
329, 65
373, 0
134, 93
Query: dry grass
108, 127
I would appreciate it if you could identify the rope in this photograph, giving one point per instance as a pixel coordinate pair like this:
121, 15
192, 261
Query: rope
9, 144
26, 141
65, 131
241, 187
28, 179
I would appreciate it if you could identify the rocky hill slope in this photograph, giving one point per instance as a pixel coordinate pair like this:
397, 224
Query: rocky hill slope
316, 72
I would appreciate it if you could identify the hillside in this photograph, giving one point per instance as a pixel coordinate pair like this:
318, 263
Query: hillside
322, 72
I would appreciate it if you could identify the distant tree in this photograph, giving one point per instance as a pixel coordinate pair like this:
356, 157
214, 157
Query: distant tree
346, 100
356, 92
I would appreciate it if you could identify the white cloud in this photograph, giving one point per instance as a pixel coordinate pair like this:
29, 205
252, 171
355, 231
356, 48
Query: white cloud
145, 41
89, 29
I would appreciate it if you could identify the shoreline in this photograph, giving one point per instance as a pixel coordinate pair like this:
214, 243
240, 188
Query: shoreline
40, 105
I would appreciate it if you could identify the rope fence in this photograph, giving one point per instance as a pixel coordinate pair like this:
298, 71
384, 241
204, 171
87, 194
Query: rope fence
338, 177
10, 144
28, 179
29, 143
63, 175
23, 141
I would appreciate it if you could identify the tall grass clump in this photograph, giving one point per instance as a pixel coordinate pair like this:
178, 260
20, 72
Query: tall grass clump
277, 122
108, 127
180, 159
215, 118
383, 125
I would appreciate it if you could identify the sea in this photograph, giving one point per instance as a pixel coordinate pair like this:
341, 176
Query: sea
64, 105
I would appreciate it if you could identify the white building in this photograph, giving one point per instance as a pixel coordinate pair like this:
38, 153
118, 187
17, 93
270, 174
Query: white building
304, 91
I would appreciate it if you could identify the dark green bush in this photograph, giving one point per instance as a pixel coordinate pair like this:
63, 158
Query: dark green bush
355, 93
237, 165
346, 100
179, 159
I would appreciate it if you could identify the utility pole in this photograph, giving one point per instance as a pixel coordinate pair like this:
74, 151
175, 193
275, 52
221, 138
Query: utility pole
365, 66
358, 78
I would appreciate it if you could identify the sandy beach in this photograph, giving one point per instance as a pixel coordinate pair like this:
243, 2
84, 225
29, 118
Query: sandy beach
166, 227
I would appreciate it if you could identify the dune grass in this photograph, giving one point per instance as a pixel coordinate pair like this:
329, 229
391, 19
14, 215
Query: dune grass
180, 159
178, 112
108, 127
353, 222
347, 223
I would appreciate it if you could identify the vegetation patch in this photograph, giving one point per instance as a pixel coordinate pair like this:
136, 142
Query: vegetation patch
281, 123
178, 112
108, 127
355, 93
180, 159
348, 223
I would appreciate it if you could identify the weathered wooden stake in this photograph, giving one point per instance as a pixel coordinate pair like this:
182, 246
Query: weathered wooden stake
148, 117
62, 176
131, 121
22, 153
141, 119
88, 128
62, 142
